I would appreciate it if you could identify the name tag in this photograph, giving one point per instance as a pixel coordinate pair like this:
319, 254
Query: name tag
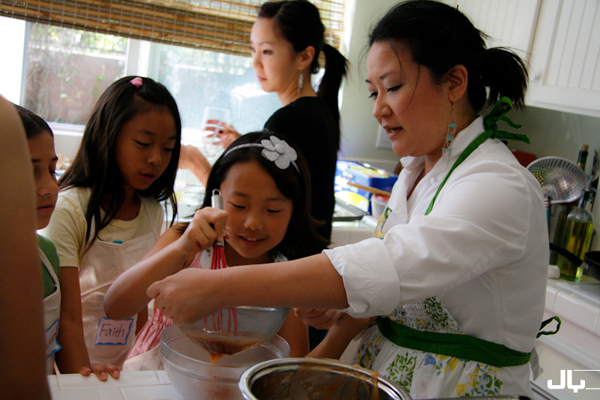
113, 332
52, 345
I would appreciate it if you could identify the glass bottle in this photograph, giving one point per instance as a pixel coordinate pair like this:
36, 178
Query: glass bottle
576, 238
582, 158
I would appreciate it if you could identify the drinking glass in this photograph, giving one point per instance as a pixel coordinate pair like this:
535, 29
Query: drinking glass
214, 120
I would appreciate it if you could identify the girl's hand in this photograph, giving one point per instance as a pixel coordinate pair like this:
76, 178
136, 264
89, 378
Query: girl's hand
349, 326
193, 160
101, 371
339, 336
207, 226
320, 319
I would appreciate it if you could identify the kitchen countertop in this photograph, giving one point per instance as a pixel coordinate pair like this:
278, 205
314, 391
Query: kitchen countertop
132, 385
576, 346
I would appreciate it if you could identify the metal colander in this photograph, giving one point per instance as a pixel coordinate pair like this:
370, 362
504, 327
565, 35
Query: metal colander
562, 180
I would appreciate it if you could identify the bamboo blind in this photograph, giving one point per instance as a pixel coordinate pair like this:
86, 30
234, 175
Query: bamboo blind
215, 25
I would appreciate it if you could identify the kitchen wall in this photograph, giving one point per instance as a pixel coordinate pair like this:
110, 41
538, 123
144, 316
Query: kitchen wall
359, 128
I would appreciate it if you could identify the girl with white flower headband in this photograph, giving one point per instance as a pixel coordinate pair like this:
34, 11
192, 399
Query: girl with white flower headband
265, 187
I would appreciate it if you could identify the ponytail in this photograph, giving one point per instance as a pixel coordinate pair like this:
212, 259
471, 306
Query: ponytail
505, 74
336, 67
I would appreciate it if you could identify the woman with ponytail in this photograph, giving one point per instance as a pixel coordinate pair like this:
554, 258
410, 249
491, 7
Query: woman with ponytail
457, 271
286, 40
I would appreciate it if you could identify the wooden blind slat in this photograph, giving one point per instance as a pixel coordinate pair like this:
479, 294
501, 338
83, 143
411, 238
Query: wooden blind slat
216, 25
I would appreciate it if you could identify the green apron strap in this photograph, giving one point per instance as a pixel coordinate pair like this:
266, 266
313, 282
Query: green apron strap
503, 106
546, 322
449, 344
452, 345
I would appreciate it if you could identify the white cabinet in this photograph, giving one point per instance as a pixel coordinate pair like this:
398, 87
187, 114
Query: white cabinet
565, 57
560, 41
508, 23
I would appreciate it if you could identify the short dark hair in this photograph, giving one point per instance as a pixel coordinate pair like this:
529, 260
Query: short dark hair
440, 37
32, 123
301, 238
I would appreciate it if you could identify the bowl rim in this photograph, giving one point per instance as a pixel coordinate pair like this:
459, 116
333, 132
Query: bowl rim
164, 344
263, 368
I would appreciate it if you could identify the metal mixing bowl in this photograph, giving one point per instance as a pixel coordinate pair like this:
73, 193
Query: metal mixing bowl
193, 375
315, 379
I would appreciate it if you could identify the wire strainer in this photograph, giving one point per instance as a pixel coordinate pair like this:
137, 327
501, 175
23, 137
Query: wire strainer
562, 180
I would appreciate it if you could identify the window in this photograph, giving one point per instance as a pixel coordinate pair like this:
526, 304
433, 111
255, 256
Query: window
72, 51
66, 70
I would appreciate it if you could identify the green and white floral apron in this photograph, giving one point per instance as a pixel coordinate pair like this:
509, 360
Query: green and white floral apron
421, 347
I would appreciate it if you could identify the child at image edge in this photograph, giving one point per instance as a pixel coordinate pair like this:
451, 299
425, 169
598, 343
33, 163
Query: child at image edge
40, 140
264, 184
108, 214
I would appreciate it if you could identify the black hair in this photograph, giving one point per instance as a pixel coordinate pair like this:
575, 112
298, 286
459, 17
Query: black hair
301, 238
440, 37
95, 166
300, 24
32, 123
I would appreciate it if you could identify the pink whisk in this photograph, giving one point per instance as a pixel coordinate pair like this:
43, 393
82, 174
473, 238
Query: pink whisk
218, 262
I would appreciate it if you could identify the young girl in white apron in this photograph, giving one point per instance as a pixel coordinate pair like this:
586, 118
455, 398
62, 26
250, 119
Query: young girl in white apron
108, 213
40, 139
109, 341
264, 188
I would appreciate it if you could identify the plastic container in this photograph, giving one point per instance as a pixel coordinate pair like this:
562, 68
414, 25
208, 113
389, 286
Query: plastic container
378, 204
192, 374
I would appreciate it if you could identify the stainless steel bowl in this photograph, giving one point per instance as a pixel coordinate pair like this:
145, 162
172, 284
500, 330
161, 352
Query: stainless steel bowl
315, 379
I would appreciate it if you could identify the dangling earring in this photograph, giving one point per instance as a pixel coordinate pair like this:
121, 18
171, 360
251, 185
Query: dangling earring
300, 82
451, 132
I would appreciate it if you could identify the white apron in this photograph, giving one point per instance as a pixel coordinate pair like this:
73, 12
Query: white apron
51, 316
108, 341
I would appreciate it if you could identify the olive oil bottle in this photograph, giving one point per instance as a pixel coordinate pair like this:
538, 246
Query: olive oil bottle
576, 238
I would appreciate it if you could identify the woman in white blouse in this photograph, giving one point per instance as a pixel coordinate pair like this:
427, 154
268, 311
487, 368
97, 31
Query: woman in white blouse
457, 270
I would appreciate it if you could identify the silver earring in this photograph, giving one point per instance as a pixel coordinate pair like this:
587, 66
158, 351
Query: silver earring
451, 132
300, 83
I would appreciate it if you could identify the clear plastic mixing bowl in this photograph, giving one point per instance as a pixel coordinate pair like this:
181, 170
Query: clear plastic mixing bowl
192, 374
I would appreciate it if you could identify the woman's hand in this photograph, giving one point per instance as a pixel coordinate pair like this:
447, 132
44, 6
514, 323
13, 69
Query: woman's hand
228, 135
187, 296
320, 319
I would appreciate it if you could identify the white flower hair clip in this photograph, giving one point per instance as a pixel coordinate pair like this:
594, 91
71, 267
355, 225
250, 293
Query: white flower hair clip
275, 150
279, 152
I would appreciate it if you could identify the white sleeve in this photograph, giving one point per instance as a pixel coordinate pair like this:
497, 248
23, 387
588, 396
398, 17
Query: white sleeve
480, 221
